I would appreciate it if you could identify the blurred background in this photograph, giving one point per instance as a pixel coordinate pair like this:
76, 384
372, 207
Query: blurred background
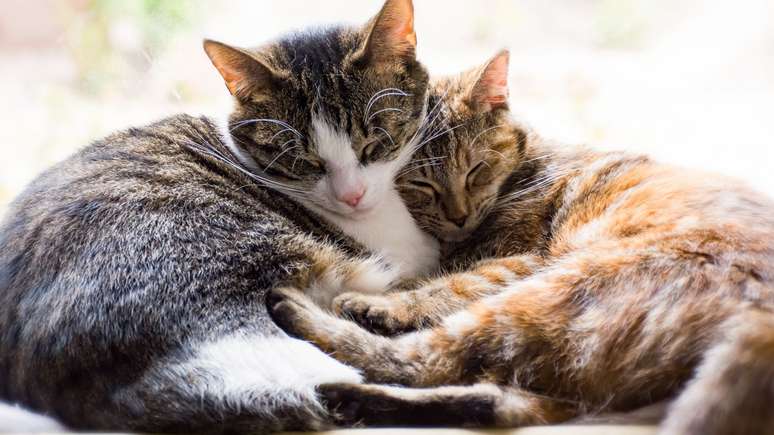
688, 81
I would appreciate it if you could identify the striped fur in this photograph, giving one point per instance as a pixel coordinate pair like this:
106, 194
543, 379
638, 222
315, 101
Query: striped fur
598, 281
133, 274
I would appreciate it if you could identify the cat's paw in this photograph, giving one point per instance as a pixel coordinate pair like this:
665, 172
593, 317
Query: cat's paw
292, 311
379, 314
343, 403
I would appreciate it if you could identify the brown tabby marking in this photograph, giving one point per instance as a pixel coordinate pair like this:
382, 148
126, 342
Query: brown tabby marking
635, 276
454, 179
133, 274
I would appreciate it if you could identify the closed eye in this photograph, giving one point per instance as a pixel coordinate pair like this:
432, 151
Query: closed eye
317, 164
425, 186
422, 184
368, 150
480, 175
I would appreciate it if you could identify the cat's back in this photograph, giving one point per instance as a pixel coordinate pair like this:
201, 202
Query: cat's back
133, 193
632, 209
621, 195
149, 165
133, 245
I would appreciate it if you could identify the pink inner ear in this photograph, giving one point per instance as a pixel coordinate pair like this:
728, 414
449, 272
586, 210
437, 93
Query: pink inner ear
398, 22
496, 92
494, 81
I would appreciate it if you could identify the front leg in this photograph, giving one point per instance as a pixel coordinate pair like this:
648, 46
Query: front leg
479, 405
491, 340
330, 273
399, 312
301, 317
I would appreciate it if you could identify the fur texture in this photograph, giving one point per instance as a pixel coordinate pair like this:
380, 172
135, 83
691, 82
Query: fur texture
133, 274
609, 282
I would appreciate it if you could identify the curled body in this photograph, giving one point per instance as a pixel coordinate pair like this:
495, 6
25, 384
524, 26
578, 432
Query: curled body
593, 282
139, 263
133, 274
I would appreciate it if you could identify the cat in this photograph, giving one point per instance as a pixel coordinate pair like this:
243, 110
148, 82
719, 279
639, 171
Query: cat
133, 274
598, 282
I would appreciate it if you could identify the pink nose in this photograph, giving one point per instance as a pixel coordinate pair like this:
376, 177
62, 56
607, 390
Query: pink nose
352, 198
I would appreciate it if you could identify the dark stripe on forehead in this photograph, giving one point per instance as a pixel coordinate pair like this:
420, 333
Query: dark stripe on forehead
317, 52
315, 59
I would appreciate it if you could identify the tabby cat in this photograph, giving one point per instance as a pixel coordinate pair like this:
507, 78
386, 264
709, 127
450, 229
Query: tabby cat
605, 281
133, 274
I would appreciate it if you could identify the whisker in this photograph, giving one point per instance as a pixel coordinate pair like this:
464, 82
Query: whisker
418, 162
277, 157
424, 123
496, 152
217, 155
413, 144
406, 172
544, 156
279, 133
282, 124
415, 167
379, 95
473, 142
429, 158
293, 165
435, 112
287, 142
434, 130
448, 130
534, 185
384, 91
387, 134
537, 181
388, 109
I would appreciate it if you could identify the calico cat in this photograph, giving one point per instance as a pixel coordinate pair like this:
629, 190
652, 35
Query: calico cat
133, 274
606, 281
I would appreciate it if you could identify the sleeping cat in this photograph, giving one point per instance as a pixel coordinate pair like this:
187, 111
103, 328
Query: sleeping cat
133, 274
607, 282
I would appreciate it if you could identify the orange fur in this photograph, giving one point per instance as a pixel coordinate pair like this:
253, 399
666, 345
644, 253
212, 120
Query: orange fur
608, 283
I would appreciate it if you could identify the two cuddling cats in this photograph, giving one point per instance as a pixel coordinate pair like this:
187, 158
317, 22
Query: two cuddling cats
142, 279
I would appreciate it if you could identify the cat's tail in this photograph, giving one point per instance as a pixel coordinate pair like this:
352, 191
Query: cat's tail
733, 390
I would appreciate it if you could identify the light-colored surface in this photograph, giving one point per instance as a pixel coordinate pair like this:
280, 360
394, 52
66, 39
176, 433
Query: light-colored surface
14, 418
542, 430
538, 430
689, 81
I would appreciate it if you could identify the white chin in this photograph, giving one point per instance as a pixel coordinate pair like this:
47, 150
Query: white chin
360, 213
349, 212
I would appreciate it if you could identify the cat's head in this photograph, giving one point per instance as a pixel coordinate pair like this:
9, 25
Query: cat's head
328, 115
453, 181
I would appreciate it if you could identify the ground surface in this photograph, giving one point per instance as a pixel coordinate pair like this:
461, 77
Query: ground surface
688, 81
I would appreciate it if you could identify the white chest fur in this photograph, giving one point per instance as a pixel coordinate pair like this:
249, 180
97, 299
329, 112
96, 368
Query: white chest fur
390, 231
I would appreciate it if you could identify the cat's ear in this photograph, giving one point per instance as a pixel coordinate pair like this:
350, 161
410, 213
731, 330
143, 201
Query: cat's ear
489, 90
245, 75
390, 36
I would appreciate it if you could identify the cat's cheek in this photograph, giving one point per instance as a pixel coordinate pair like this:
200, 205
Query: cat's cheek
322, 195
378, 178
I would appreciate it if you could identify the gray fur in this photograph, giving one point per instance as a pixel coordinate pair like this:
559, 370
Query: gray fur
118, 263
136, 249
